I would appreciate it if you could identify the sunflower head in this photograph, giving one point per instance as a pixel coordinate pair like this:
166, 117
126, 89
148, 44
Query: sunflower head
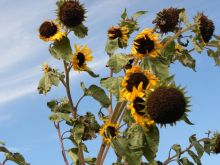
120, 32
136, 82
206, 27
71, 13
166, 105
80, 57
46, 68
216, 144
109, 130
146, 43
167, 19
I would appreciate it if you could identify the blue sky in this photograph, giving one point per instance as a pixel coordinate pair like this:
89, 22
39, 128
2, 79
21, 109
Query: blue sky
24, 123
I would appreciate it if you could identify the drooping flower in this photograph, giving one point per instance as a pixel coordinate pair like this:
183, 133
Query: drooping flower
109, 130
80, 57
71, 13
206, 27
136, 82
119, 32
50, 31
166, 105
146, 43
167, 19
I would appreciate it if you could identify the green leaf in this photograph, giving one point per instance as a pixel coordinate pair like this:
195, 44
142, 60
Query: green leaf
184, 18
214, 55
185, 161
2, 143
117, 62
152, 141
90, 161
78, 132
138, 14
73, 153
62, 106
16, 157
177, 148
61, 49
91, 73
186, 59
113, 85
195, 157
135, 136
54, 117
197, 46
111, 46
99, 94
80, 31
124, 14
207, 146
197, 145
4, 149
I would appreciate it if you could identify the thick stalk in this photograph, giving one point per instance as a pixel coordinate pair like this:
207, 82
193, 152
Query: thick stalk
105, 154
110, 110
57, 126
74, 110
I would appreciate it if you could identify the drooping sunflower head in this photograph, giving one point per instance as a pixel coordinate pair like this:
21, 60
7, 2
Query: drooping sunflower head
118, 32
71, 13
216, 143
166, 105
146, 43
167, 19
80, 57
136, 82
206, 27
50, 31
138, 112
109, 130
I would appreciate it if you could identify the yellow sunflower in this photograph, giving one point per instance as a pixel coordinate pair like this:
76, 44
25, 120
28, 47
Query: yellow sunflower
109, 130
137, 82
50, 31
146, 43
118, 32
80, 57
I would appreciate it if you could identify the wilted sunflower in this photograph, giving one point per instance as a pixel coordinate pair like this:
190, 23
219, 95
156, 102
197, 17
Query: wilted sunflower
216, 143
167, 19
50, 31
167, 104
138, 112
80, 57
146, 43
109, 130
206, 27
136, 82
118, 32
71, 13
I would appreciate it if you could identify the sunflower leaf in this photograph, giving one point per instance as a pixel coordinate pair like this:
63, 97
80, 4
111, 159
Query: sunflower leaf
80, 31
78, 132
138, 14
16, 157
91, 73
99, 94
117, 62
194, 157
186, 59
124, 14
177, 148
135, 135
61, 49
73, 153
111, 46
113, 85
184, 18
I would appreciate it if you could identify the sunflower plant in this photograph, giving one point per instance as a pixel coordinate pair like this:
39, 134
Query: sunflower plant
139, 94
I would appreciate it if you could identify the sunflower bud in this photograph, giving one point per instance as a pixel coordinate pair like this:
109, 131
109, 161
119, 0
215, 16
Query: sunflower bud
166, 105
206, 27
167, 19
71, 13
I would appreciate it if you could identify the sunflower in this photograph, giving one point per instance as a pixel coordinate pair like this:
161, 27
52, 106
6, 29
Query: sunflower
46, 68
109, 130
136, 82
50, 31
138, 112
80, 57
119, 32
146, 43
216, 143
71, 13
167, 104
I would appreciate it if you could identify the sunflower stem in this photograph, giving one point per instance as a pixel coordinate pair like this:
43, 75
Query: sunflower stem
105, 154
110, 97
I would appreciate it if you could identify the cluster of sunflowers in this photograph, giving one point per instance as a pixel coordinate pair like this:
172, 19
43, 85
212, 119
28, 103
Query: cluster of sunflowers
148, 97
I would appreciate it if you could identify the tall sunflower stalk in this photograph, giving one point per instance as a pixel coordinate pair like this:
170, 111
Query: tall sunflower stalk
142, 92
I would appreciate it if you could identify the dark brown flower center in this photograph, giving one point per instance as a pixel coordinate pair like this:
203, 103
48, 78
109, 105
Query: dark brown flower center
139, 106
144, 45
48, 29
166, 105
116, 33
112, 131
72, 13
129, 64
81, 58
217, 145
135, 79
